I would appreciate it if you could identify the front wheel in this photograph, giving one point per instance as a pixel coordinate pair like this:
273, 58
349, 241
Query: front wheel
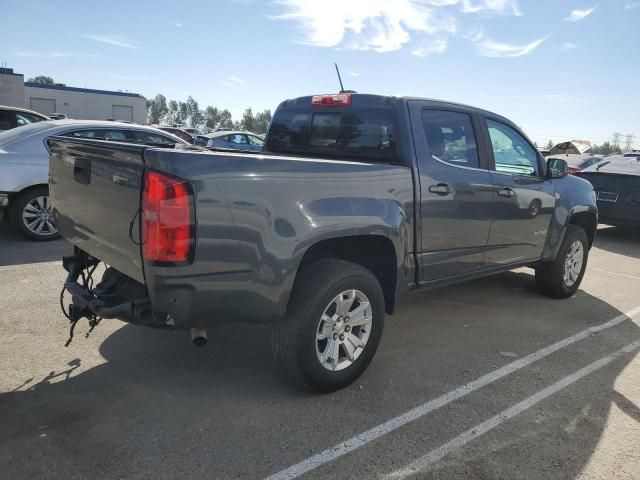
332, 327
32, 214
562, 277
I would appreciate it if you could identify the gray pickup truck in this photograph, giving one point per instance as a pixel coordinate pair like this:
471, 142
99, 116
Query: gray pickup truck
355, 200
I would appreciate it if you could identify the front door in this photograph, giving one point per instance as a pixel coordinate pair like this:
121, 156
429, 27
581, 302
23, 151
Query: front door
525, 199
456, 192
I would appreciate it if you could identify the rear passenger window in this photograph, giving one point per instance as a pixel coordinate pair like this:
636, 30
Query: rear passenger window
450, 137
151, 138
7, 120
100, 134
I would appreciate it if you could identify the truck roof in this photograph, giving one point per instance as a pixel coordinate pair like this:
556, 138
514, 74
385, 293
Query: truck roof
377, 98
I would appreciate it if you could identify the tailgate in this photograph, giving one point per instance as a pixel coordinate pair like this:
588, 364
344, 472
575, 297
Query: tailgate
95, 189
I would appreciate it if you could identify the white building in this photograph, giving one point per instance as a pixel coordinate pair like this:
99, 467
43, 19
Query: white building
79, 103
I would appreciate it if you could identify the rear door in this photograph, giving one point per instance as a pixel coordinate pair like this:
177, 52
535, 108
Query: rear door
97, 187
455, 190
524, 198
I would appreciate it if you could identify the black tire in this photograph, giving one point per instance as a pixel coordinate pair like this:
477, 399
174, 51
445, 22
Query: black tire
18, 205
294, 336
550, 278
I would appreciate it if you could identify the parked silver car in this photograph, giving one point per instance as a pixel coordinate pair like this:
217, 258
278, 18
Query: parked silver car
12, 117
246, 141
24, 166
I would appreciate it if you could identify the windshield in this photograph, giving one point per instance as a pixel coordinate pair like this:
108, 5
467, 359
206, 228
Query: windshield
24, 131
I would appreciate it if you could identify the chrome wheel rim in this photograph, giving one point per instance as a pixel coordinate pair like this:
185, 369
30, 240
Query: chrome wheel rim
573, 263
37, 216
343, 330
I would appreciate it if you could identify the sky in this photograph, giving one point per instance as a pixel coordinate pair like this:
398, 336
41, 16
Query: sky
560, 69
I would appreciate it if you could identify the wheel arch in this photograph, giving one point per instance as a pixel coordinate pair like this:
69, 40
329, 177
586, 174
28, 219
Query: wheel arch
376, 253
588, 221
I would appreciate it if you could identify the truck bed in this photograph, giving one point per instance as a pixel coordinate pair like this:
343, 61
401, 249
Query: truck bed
255, 216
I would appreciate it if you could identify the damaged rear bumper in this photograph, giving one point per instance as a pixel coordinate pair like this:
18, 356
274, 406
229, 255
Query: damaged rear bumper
115, 296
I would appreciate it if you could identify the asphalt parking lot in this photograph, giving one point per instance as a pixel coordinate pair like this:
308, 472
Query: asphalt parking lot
483, 380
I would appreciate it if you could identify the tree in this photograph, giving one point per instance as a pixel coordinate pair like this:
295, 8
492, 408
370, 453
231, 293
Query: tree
157, 108
42, 79
183, 113
226, 120
211, 117
172, 113
262, 120
549, 145
248, 121
193, 113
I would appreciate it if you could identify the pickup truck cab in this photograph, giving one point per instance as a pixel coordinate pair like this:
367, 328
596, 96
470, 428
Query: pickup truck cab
355, 200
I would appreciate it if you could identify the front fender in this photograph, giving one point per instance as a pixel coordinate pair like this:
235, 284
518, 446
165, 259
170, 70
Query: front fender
574, 196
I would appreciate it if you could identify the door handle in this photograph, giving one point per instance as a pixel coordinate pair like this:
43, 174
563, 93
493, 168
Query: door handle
82, 170
440, 189
506, 192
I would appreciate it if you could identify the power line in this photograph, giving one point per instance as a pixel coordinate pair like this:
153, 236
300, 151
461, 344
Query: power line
628, 141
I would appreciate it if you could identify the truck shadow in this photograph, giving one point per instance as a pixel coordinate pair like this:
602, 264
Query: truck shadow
623, 241
159, 408
15, 249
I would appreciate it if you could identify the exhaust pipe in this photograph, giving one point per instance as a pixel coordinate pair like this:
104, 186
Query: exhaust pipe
199, 337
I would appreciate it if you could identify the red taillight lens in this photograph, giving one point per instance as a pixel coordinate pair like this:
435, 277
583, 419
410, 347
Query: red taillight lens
574, 169
337, 100
166, 219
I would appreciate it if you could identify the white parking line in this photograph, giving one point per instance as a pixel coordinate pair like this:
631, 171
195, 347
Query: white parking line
22, 266
615, 274
376, 432
423, 463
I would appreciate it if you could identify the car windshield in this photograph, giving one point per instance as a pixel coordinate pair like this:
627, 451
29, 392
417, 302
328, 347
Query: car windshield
24, 131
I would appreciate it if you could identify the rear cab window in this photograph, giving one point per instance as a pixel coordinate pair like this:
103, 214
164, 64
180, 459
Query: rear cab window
366, 130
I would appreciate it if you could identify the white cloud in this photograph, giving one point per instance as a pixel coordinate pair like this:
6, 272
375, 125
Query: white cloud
378, 25
577, 15
491, 48
56, 55
428, 47
353, 74
492, 6
115, 40
567, 46
424, 26
233, 81
178, 24
630, 5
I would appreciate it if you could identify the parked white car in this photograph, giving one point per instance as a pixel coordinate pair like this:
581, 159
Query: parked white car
24, 166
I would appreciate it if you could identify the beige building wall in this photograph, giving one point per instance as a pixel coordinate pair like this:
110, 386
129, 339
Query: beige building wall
11, 88
86, 104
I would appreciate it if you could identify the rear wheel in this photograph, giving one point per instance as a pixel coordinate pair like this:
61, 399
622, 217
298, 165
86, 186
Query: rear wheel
562, 277
332, 327
32, 214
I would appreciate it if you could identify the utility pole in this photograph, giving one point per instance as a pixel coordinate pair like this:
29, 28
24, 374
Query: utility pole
628, 141
615, 140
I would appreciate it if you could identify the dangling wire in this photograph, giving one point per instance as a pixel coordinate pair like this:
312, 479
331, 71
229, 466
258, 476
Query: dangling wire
87, 283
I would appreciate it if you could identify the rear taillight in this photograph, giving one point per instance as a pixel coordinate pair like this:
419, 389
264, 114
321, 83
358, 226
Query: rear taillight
335, 100
166, 219
574, 169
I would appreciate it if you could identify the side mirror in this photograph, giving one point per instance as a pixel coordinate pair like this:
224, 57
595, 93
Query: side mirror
557, 168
